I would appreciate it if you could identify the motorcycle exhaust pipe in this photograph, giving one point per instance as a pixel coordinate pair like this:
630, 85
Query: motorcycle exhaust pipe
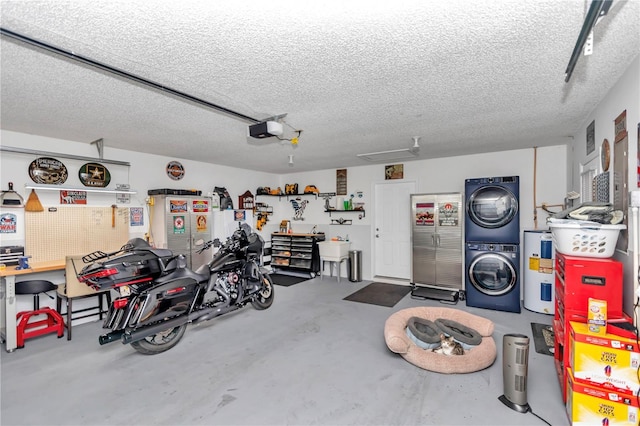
134, 336
143, 332
215, 313
117, 334
110, 337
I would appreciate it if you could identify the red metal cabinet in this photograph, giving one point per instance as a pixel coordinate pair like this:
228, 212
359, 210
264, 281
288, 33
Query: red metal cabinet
576, 280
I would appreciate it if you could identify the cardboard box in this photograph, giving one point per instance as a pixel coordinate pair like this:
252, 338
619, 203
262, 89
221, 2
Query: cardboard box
592, 405
608, 361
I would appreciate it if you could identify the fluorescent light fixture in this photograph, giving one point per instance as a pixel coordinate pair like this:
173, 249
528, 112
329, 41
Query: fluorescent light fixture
392, 155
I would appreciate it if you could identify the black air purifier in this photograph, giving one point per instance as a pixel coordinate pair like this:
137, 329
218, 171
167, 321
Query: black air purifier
515, 359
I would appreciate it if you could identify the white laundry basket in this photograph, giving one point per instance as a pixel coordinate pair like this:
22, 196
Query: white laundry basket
584, 238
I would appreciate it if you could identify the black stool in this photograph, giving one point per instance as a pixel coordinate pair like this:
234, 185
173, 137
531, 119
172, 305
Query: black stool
53, 323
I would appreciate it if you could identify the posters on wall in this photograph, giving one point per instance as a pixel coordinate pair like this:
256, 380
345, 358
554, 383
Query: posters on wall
341, 181
447, 214
425, 214
136, 216
394, 171
73, 197
8, 223
591, 137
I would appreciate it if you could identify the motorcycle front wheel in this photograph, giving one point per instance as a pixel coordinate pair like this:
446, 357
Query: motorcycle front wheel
160, 342
264, 298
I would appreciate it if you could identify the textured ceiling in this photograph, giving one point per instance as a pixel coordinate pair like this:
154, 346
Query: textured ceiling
357, 77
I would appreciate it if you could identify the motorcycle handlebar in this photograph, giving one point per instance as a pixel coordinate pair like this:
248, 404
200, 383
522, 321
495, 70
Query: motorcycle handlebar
208, 245
233, 243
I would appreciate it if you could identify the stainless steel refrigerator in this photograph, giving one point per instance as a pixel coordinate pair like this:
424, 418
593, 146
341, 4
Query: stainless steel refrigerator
436, 238
178, 222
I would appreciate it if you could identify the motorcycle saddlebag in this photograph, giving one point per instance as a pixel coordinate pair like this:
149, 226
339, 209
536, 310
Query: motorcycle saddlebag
169, 299
122, 269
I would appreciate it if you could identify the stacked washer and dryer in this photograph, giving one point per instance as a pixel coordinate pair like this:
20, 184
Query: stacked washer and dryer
492, 243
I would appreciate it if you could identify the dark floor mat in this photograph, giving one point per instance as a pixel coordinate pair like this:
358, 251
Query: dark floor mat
382, 294
287, 280
543, 338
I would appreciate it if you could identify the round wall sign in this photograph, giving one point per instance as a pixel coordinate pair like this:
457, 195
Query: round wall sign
48, 170
175, 170
94, 175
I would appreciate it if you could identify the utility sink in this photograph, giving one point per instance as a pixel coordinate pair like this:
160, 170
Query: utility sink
334, 248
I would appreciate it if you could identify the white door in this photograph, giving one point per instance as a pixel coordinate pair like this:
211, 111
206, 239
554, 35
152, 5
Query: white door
392, 229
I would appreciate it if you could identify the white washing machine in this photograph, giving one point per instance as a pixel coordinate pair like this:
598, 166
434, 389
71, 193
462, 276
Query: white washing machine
538, 276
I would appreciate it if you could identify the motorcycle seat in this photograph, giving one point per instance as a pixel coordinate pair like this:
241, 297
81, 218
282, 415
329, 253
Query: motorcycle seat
161, 252
185, 273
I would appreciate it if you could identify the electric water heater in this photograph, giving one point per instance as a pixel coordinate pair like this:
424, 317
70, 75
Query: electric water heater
515, 359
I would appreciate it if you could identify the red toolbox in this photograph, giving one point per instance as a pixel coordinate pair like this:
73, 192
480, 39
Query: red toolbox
586, 277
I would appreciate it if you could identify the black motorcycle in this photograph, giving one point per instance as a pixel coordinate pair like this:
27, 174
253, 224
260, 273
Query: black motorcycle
159, 295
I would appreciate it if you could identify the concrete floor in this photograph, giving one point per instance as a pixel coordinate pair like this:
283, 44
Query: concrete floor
311, 359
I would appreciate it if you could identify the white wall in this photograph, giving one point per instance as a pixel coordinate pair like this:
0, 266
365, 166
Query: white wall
436, 175
433, 175
625, 95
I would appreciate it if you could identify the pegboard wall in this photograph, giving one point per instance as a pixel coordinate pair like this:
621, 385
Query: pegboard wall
78, 230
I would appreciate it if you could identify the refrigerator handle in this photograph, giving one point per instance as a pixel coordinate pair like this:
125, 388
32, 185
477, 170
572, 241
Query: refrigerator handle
437, 236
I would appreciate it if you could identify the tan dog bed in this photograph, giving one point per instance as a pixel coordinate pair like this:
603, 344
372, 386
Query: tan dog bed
481, 356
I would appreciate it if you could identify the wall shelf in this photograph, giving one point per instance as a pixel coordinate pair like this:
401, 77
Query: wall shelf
286, 195
62, 188
362, 212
